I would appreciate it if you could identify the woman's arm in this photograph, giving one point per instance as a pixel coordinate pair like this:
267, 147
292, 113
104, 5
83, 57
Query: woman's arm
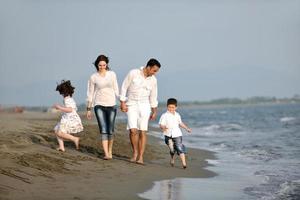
90, 96
115, 85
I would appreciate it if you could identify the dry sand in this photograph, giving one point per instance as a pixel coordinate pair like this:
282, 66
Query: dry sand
31, 168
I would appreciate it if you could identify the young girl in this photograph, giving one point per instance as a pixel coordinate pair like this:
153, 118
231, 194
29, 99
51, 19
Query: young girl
70, 122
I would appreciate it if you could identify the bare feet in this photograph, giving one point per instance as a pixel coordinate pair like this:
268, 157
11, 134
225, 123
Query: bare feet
133, 159
59, 149
172, 163
107, 158
76, 141
140, 162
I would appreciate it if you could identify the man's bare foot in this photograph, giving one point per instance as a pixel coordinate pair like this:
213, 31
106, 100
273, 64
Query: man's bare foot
59, 149
107, 158
133, 159
140, 161
77, 142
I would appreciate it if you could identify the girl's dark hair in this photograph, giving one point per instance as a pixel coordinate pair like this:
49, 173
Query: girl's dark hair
101, 58
65, 88
172, 101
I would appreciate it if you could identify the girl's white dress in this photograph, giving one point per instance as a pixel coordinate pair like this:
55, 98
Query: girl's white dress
70, 122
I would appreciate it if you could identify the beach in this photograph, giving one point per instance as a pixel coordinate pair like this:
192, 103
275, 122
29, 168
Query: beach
257, 147
32, 168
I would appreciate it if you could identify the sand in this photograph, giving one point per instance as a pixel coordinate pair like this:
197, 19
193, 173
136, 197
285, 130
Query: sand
31, 168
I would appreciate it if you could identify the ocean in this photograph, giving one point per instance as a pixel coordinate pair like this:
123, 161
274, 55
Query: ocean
257, 149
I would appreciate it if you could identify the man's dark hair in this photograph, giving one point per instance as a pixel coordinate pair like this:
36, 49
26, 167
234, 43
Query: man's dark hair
153, 62
172, 101
65, 88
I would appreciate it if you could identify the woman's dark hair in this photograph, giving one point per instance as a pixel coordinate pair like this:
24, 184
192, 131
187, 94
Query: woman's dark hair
172, 101
101, 58
65, 88
153, 62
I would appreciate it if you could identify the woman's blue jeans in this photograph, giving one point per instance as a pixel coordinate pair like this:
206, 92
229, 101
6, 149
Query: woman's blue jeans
106, 116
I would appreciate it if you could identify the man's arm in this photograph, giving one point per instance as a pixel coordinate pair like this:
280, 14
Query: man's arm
153, 113
124, 88
153, 100
153, 94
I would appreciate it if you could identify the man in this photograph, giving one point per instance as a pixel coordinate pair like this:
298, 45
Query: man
139, 100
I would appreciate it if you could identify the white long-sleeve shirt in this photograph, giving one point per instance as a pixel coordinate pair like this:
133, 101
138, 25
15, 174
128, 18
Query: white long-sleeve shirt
137, 88
172, 123
102, 90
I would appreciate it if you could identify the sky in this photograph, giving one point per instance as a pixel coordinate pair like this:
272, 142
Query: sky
208, 49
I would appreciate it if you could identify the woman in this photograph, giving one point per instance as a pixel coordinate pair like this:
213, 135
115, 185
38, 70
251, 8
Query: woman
101, 94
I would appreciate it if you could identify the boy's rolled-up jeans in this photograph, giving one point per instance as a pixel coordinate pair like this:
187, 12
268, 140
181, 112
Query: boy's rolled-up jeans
175, 145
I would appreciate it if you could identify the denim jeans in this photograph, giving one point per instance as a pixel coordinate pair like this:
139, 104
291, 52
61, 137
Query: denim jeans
106, 116
175, 145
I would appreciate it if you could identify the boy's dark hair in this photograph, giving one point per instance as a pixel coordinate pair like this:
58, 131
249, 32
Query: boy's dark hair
65, 88
172, 101
153, 62
101, 58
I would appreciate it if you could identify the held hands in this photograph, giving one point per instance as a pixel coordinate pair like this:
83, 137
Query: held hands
123, 106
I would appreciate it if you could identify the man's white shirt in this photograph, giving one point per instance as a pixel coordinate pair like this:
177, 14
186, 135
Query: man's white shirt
139, 89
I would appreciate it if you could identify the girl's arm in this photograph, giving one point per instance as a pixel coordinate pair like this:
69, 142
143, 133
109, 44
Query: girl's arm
182, 125
62, 108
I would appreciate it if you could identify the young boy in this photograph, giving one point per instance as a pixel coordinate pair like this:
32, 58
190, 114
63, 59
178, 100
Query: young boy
170, 123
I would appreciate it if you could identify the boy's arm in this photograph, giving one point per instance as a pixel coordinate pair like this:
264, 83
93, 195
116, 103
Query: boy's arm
182, 125
163, 127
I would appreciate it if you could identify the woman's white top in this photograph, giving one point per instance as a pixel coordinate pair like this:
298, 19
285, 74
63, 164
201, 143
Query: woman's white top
103, 90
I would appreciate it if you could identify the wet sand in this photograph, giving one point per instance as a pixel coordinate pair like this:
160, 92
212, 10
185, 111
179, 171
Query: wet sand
31, 168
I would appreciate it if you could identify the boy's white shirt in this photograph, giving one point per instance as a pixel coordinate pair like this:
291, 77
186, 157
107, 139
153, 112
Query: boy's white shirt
171, 121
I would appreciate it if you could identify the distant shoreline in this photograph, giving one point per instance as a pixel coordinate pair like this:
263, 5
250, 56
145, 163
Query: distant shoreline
224, 102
